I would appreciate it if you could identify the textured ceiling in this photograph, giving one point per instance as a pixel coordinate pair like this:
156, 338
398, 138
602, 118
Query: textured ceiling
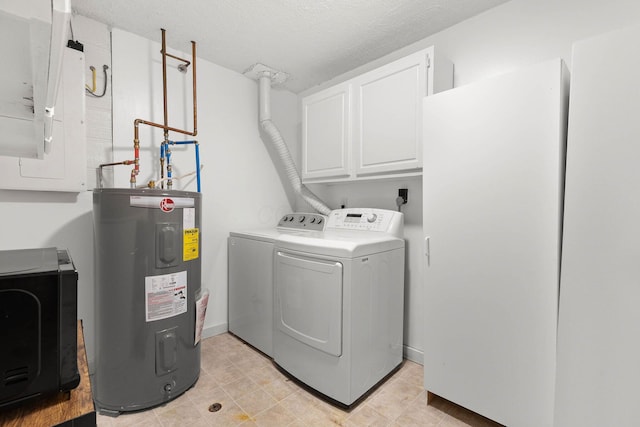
311, 40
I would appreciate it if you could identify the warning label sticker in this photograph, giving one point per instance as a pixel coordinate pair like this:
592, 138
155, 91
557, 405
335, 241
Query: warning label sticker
188, 218
165, 295
190, 244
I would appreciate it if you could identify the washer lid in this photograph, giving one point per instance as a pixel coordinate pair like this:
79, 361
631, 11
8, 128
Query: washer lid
269, 235
344, 243
265, 235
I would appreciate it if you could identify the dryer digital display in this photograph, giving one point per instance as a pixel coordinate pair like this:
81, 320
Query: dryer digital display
353, 217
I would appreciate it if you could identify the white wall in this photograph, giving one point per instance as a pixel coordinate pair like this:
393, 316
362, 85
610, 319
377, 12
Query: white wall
32, 219
240, 185
515, 34
97, 53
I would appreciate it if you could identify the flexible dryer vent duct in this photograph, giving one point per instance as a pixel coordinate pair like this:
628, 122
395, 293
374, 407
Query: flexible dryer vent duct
265, 76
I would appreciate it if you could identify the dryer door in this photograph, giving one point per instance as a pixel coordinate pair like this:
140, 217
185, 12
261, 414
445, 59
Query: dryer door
308, 306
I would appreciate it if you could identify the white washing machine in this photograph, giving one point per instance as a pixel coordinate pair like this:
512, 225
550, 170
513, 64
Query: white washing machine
338, 302
250, 280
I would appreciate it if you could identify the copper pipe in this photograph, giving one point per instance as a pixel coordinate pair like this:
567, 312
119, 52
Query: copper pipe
195, 97
165, 126
179, 59
137, 122
164, 85
136, 161
99, 176
125, 162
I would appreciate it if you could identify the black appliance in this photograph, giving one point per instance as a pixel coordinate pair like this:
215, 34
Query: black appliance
38, 318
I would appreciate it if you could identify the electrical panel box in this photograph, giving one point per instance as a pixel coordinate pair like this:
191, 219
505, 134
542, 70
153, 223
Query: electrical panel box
64, 168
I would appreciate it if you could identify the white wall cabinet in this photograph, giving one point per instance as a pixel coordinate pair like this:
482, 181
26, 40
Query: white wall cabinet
387, 120
325, 126
371, 126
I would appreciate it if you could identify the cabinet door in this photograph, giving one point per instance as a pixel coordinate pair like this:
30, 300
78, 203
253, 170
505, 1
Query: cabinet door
492, 198
326, 133
387, 126
598, 349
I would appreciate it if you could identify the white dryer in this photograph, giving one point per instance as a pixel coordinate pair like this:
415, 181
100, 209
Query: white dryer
338, 302
250, 280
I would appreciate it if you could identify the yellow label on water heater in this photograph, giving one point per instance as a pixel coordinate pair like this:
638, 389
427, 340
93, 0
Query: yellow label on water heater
190, 244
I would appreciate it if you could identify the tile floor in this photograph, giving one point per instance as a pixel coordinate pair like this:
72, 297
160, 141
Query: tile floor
253, 392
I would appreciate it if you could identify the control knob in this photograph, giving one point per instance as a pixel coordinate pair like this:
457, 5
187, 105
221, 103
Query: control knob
372, 217
301, 219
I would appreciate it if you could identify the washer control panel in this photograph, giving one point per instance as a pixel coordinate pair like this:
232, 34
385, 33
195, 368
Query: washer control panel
367, 219
303, 221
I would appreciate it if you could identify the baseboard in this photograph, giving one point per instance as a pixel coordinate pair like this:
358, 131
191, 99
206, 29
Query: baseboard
413, 354
212, 331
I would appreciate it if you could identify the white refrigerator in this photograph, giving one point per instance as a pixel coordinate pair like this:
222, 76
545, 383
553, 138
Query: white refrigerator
493, 189
599, 331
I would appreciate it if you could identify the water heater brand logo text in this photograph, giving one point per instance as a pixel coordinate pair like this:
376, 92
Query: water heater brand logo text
167, 205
